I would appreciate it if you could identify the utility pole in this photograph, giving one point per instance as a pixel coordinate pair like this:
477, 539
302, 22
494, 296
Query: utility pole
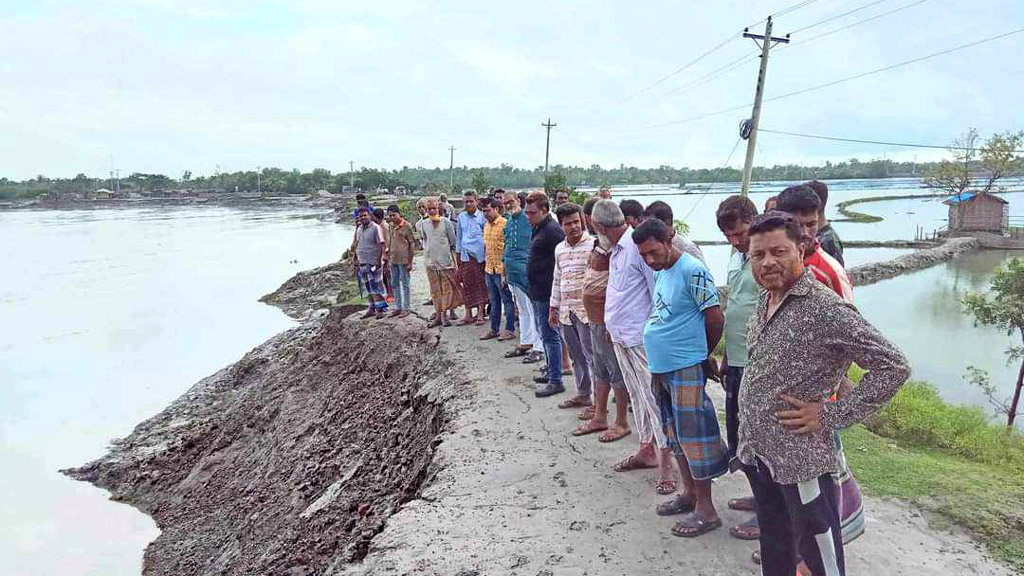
117, 174
749, 127
351, 176
451, 171
547, 147
259, 183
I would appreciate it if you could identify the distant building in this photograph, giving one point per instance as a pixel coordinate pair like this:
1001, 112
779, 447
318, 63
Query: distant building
978, 212
102, 194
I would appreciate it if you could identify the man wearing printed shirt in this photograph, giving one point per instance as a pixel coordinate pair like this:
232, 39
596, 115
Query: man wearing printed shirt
802, 335
685, 324
567, 312
518, 233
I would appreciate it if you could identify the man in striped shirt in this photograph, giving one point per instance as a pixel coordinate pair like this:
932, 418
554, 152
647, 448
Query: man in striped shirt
566, 306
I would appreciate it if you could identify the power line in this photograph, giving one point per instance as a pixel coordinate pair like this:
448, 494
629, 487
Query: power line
792, 8
715, 73
859, 22
897, 65
839, 81
675, 72
838, 16
880, 142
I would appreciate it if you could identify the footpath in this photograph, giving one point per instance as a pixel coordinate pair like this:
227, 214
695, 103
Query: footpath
513, 492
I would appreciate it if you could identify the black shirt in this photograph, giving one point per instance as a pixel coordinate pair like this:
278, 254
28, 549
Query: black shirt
540, 265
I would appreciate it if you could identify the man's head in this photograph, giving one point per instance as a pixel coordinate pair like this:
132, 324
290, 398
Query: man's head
537, 207
394, 214
776, 250
433, 208
363, 215
470, 199
654, 241
734, 216
360, 196
659, 210
378, 215
497, 195
570, 217
821, 190
421, 207
803, 204
769, 204
490, 209
443, 197
511, 202
561, 197
609, 223
633, 211
588, 209
604, 193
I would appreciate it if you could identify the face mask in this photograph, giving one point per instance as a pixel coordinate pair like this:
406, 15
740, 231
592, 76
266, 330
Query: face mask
435, 218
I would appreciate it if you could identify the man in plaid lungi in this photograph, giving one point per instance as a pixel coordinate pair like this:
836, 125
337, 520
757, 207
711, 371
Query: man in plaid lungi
685, 324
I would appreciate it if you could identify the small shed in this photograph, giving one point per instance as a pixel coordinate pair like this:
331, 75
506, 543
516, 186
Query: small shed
978, 212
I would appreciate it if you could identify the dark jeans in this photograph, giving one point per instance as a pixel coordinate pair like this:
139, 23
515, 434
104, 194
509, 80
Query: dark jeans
500, 296
733, 377
798, 521
551, 338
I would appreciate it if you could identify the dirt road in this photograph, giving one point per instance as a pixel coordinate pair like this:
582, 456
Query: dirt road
516, 493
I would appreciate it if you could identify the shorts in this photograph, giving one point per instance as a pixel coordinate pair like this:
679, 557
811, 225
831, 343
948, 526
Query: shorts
605, 366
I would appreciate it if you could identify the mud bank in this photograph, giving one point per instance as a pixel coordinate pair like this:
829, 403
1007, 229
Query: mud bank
311, 289
290, 460
870, 273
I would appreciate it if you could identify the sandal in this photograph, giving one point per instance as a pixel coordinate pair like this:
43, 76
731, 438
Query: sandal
506, 336
613, 435
678, 505
666, 487
693, 525
480, 321
748, 530
575, 402
516, 352
489, 335
632, 463
589, 427
533, 357
587, 413
745, 504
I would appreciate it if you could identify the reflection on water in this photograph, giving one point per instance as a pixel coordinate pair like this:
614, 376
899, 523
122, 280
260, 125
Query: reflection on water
105, 317
921, 313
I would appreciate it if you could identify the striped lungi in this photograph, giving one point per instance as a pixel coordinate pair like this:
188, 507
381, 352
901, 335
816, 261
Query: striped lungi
690, 422
474, 285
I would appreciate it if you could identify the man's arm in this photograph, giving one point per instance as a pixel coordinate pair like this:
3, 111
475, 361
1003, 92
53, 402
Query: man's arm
556, 293
459, 233
714, 324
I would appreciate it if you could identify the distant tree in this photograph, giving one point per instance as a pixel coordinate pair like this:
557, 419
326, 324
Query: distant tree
1004, 310
995, 159
555, 181
480, 182
186, 176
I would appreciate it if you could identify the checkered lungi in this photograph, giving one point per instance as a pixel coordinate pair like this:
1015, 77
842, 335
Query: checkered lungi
690, 422
474, 286
371, 283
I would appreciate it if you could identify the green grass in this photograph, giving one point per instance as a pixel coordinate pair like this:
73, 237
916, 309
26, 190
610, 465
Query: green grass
854, 216
985, 499
951, 460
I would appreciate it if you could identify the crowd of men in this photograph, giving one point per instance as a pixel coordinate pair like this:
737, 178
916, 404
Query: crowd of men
636, 310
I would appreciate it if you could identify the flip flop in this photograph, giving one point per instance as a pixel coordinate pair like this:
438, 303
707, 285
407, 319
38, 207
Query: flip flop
587, 413
465, 322
748, 530
692, 525
480, 322
611, 436
666, 487
533, 357
677, 505
575, 402
745, 504
589, 428
632, 463
516, 352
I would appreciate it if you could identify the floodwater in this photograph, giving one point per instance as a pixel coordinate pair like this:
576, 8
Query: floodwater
106, 316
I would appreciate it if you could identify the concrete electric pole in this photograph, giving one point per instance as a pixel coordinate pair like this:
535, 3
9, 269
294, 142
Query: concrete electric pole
547, 147
451, 171
749, 127
351, 176
259, 182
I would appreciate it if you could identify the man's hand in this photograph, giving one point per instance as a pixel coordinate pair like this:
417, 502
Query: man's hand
408, 267
553, 318
714, 373
803, 419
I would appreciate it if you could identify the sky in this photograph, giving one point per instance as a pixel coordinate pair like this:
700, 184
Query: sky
164, 86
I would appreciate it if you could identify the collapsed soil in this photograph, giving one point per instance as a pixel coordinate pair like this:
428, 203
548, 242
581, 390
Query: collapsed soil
289, 461
310, 289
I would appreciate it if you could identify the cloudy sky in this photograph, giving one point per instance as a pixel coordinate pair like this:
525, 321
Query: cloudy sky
173, 85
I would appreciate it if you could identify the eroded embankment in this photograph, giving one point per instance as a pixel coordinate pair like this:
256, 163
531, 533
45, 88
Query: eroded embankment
870, 273
290, 460
311, 289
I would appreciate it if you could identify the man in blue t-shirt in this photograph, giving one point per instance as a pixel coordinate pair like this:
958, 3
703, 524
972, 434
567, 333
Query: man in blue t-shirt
685, 325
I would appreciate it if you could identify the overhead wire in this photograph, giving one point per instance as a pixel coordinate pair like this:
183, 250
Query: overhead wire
879, 142
838, 16
839, 81
709, 188
799, 42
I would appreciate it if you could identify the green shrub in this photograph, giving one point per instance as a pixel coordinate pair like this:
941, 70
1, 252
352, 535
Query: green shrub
917, 416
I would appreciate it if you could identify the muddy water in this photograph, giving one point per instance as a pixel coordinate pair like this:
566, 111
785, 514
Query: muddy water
105, 317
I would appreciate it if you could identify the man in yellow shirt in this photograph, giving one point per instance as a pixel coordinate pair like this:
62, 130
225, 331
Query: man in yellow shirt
494, 271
